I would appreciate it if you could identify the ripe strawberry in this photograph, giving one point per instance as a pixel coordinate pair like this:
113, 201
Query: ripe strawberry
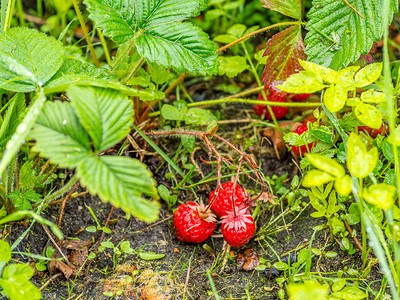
192, 224
279, 111
303, 149
374, 132
300, 97
238, 229
223, 201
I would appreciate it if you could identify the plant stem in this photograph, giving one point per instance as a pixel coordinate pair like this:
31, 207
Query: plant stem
103, 42
133, 71
363, 232
84, 29
248, 101
10, 10
271, 113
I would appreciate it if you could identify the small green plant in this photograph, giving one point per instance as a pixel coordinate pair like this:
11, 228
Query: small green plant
15, 278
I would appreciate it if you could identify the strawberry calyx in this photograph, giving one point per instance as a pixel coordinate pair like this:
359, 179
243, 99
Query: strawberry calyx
204, 214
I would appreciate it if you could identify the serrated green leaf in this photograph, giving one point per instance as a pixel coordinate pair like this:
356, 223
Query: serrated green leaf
283, 52
336, 225
316, 178
106, 114
189, 142
181, 46
149, 13
291, 8
198, 116
360, 162
158, 74
369, 115
59, 135
114, 17
121, 181
368, 74
15, 282
28, 59
303, 83
63, 83
394, 137
231, 66
323, 134
155, 27
337, 35
335, 98
381, 195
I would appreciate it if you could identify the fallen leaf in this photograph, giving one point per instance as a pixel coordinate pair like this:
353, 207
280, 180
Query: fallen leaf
248, 259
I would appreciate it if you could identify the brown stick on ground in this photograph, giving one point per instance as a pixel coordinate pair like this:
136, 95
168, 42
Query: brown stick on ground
64, 202
351, 233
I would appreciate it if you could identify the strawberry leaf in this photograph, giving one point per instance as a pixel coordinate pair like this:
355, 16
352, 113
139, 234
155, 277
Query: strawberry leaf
291, 8
283, 52
338, 35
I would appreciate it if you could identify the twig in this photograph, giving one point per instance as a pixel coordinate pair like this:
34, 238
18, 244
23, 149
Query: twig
143, 229
55, 244
349, 5
49, 280
64, 202
351, 233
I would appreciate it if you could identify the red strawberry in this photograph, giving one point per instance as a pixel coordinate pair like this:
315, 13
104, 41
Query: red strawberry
279, 111
192, 224
238, 229
300, 97
374, 132
223, 201
303, 149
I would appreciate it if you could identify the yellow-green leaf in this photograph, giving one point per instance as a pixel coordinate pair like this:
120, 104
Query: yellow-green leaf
360, 162
372, 96
346, 76
316, 178
381, 195
343, 185
326, 164
369, 115
303, 83
327, 74
368, 74
335, 98
353, 101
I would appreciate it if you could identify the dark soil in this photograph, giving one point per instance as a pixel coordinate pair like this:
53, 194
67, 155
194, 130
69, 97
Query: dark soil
135, 278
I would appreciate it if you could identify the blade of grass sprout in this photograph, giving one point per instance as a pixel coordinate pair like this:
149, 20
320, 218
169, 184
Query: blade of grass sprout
19, 215
308, 260
186, 178
23, 129
64, 32
214, 290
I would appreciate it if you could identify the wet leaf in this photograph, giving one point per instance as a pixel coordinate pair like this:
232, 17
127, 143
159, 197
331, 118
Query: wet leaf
372, 96
291, 8
232, 66
368, 74
350, 293
335, 98
316, 178
360, 162
303, 83
310, 289
381, 195
248, 259
343, 185
327, 74
338, 284
369, 115
282, 52
326, 164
